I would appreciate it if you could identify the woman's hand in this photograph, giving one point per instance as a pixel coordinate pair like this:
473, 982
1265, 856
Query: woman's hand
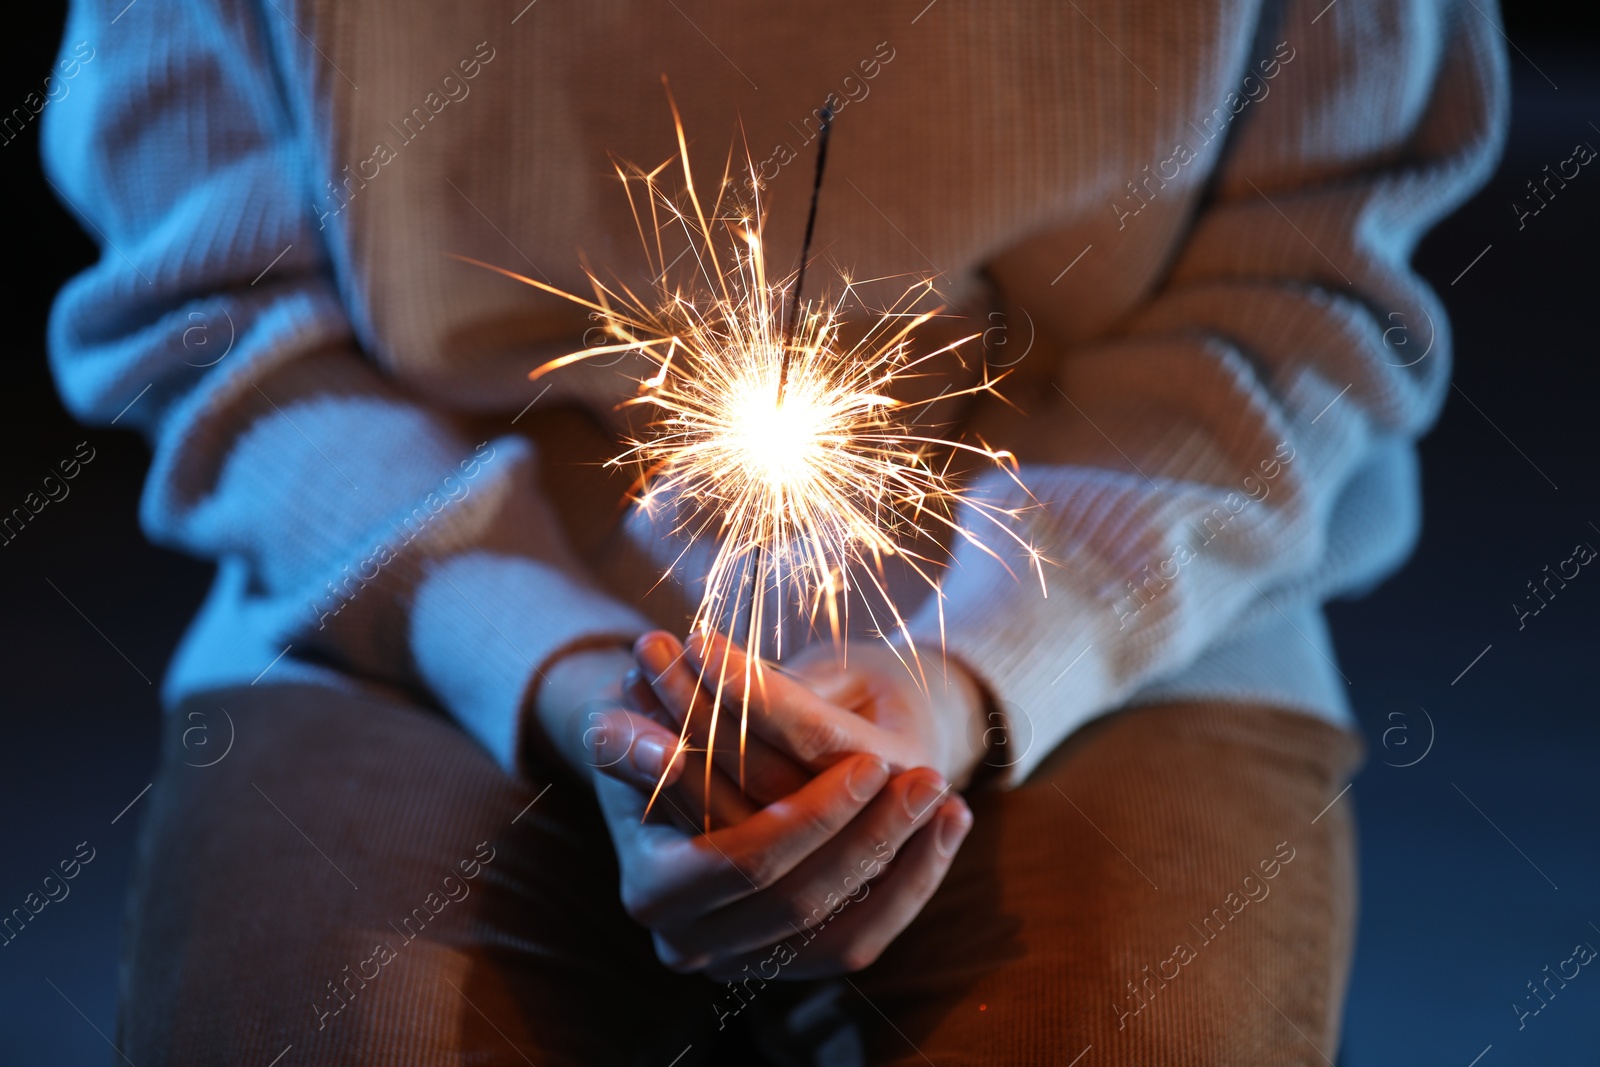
815, 883
580, 712
819, 707
929, 712
572, 690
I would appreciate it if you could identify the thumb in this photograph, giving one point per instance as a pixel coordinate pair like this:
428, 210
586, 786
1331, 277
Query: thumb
632, 749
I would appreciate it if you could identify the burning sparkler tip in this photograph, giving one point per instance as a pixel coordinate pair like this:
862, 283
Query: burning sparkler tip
774, 438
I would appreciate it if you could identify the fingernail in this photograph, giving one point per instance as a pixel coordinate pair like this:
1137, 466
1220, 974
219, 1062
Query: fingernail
953, 830
649, 756
923, 794
866, 778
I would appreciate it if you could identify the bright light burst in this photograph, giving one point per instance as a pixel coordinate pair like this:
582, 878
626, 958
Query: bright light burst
780, 441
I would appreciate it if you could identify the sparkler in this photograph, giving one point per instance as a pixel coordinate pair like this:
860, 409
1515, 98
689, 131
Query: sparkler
775, 437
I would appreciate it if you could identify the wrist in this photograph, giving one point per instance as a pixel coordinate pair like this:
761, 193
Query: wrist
573, 684
968, 722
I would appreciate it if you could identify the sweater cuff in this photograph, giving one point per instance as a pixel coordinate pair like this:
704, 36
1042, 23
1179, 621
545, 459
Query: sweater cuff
484, 627
1045, 668
1053, 663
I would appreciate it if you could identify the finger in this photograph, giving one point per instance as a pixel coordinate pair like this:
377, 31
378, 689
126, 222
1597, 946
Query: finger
853, 857
707, 803
657, 855
716, 801
630, 748
653, 854
793, 719
854, 932
637, 694
741, 860
765, 773
857, 936
638, 842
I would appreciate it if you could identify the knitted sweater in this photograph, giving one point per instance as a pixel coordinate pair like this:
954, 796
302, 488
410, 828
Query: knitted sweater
1186, 226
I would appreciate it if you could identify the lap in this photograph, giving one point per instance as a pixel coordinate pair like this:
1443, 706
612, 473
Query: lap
357, 880
1121, 899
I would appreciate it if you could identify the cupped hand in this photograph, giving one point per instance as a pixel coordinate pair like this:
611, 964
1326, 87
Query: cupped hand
817, 708
815, 883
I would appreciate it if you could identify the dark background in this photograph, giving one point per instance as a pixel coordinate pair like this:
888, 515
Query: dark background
1457, 912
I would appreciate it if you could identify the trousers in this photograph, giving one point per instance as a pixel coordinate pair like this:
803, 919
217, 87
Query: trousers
353, 881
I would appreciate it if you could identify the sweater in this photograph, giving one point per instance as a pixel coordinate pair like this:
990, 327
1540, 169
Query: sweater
1184, 227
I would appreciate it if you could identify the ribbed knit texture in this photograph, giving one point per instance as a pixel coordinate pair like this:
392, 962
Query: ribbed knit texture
308, 890
1244, 185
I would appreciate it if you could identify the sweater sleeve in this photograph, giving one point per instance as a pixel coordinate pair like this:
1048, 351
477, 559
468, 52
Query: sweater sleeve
1242, 447
360, 525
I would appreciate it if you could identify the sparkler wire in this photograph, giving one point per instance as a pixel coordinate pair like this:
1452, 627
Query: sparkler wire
819, 481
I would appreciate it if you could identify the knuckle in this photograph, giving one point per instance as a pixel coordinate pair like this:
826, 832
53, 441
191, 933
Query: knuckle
826, 822
858, 956
802, 915
814, 817
815, 738
759, 866
675, 959
641, 904
923, 882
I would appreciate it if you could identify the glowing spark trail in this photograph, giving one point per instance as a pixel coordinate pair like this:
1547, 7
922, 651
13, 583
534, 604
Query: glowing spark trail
778, 439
